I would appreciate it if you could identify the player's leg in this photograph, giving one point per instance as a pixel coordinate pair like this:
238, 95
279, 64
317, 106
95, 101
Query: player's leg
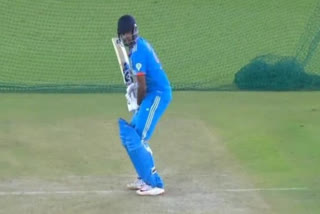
138, 183
144, 121
150, 114
140, 155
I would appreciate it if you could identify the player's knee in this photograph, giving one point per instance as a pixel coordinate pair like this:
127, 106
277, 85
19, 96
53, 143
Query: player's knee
122, 130
128, 135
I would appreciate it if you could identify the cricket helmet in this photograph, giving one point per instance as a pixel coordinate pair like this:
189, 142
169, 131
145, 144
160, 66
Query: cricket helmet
127, 23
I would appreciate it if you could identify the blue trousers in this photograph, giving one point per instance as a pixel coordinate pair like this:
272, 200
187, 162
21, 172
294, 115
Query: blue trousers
144, 122
151, 109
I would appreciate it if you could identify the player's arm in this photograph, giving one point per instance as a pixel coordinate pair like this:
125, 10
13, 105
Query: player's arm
142, 87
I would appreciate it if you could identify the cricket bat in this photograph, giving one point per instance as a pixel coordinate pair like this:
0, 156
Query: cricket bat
123, 61
126, 72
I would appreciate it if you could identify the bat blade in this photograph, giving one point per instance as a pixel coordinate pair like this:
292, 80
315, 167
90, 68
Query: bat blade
123, 60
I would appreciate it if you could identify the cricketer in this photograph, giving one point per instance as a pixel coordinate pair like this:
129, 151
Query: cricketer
153, 95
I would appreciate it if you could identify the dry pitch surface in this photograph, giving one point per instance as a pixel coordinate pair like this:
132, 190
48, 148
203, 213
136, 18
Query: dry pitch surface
200, 177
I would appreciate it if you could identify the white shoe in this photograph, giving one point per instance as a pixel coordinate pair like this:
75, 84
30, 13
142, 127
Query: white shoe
136, 185
149, 190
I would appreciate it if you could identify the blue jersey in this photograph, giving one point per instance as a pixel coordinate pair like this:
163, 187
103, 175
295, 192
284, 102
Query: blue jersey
144, 61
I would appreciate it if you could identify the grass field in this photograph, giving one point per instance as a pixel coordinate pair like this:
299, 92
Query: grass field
219, 152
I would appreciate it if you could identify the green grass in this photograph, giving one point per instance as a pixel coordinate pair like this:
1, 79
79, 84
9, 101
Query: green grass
271, 140
275, 136
279, 131
207, 141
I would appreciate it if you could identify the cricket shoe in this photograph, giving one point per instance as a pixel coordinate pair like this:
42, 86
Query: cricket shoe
136, 185
147, 190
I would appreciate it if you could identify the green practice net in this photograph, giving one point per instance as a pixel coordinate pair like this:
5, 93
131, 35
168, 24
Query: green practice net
65, 46
301, 71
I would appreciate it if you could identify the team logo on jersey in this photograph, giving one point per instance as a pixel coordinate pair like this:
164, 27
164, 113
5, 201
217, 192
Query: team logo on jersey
138, 66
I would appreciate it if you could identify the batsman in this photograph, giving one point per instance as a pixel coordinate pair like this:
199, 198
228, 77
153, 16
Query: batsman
152, 93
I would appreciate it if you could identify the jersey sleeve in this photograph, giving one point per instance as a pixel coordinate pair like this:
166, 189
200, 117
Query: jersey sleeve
139, 62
